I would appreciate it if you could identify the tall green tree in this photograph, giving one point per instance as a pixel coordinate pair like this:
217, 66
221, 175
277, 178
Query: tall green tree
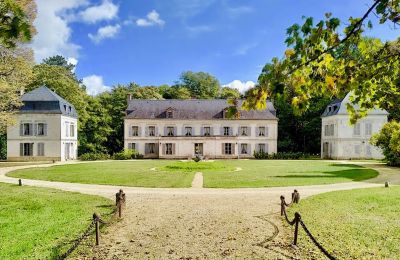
174, 92
59, 60
227, 92
201, 85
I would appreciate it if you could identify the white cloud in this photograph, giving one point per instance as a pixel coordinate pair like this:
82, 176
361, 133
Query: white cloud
94, 84
241, 86
73, 61
105, 11
109, 31
152, 18
54, 33
244, 49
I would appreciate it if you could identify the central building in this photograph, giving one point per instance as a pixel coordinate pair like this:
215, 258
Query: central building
188, 128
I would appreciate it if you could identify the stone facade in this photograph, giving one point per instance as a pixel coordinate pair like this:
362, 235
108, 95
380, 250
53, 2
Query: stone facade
172, 134
45, 129
340, 140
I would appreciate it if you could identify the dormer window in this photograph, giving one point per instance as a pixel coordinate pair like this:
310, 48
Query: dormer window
65, 108
169, 113
188, 131
70, 109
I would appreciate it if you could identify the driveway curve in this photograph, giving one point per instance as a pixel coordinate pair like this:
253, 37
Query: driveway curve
187, 223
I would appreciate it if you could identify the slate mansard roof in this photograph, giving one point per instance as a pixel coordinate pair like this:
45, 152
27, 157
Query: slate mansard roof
339, 107
44, 101
191, 109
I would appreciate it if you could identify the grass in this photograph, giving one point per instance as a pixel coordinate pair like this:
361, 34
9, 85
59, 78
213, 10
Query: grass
354, 224
217, 174
275, 173
39, 223
126, 173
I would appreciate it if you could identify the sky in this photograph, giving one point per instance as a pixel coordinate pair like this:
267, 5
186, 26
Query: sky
151, 42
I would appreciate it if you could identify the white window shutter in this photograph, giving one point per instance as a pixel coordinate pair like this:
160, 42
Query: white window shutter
45, 129
130, 130
233, 145
30, 129
211, 130
21, 129
35, 126
175, 131
266, 148
257, 131
202, 130
173, 148
223, 149
156, 130
266, 131
21, 149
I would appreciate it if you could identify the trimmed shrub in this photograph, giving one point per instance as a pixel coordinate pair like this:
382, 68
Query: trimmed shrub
388, 139
127, 154
282, 156
94, 156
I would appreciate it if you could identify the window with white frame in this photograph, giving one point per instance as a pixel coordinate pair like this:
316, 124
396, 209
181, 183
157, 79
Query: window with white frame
72, 130
357, 129
243, 130
26, 129
227, 130
329, 130
152, 131
135, 130
368, 128
41, 129
26, 149
188, 131
67, 129
228, 148
132, 146
207, 131
244, 149
261, 148
170, 131
168, 149
261, 131
40, 151
169, 114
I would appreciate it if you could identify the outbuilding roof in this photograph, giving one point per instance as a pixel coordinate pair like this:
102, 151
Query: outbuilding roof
43, 100
191, 109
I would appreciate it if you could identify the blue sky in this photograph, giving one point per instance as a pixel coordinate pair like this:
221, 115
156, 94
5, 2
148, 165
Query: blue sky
151, 42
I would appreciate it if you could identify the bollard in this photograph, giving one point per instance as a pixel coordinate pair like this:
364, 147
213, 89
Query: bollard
296, 227
19, 182
120, 210
386, 184
282, 204
296, 196
96, 224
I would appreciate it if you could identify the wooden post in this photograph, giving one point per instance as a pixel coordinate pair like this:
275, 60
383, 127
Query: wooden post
96, 224
282, 204
20, 182
120, 209
296, 227
296, 196
386, 184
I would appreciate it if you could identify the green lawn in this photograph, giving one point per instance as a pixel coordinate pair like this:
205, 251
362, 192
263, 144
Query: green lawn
127, 173
11, 164
273, 173
39, 223
217, 174
355, 224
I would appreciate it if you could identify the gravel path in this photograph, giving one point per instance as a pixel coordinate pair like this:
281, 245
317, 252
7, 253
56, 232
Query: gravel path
189, 223
197, 181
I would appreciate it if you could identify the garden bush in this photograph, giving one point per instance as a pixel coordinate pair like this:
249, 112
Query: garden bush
94, 156
388, 139
282, 155
127, 154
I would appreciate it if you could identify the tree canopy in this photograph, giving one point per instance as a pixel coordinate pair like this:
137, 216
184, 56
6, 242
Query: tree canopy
201, 85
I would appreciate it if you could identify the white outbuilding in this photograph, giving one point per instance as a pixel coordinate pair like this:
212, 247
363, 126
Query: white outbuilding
341, 140
45, 129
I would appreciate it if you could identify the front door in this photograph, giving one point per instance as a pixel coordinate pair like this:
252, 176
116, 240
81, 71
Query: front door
325, 150
198, 149
67, 151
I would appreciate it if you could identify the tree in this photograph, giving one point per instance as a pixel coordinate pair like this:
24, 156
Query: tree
227, 92
59, 60
388, 139
321, 63
16, 19
200, 84
147, 92
174, 92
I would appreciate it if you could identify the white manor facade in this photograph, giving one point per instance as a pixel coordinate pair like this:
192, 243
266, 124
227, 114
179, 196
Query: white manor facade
189, 128
340, 140
45, 129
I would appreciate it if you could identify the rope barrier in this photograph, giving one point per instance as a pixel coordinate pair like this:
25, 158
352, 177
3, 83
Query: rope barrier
297, 219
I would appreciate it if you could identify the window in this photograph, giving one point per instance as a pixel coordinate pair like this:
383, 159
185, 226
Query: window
227, 130
207, 131
228, 148
152, 131
170, 114
243, 130
261, 148
26, 149
243, 149
168, 149
188, 131
135, 130
357, 129
40, 151
170, 131
72, 130
329, 130
26, 129
132, 146
150, 148
368, 129
41, 129
261, 131
66, 129
65, 107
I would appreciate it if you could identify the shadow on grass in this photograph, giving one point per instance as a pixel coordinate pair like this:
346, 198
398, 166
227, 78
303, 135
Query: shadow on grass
352, 174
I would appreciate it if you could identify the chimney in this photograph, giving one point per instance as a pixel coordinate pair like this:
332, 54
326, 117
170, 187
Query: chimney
129, 95
21, 91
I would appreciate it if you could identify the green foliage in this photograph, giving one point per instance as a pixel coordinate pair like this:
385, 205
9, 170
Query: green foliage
59, 60
174, 92
3, 146
40, 223
227, 93
15, 24
201, 85
388, 139
283, 156
127, 154
353, 224
94, 156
